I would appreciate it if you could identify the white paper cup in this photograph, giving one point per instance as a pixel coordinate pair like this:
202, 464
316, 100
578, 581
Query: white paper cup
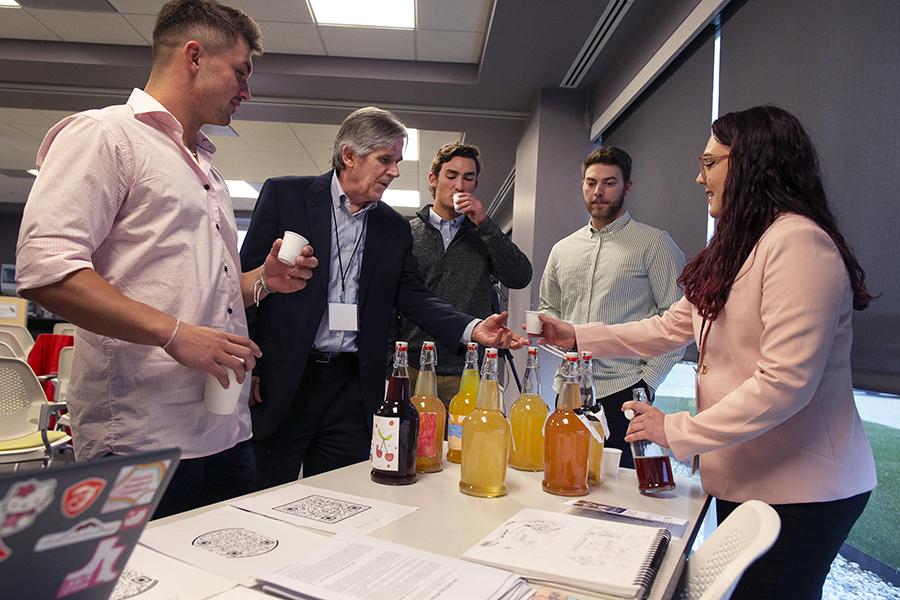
219, 401
533, 323
611, 459
456, 201
291, 245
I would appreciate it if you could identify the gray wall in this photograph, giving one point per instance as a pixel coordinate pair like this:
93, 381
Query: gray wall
10, 219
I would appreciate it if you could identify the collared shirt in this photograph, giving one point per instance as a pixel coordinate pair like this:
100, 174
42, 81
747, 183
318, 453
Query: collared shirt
118, 192
348, 241
448, 228
624, 272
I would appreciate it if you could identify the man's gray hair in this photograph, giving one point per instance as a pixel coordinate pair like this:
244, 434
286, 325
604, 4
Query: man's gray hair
365, 130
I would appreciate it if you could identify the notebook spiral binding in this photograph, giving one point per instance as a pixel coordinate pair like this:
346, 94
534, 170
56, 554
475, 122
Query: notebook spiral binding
650, 566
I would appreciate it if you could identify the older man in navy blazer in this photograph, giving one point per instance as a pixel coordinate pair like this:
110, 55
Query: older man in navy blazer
321, 376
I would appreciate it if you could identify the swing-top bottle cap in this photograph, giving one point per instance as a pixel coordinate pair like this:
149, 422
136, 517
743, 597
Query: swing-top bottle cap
490, 353
585, 355
402, 346
472, 346
532, 350
571, 356
427, 345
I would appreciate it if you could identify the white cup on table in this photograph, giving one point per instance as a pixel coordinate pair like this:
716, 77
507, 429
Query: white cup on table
291, 246
611, 459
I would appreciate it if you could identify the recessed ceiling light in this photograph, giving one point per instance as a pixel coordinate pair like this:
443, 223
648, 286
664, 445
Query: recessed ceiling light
30, 171
238, 188
399, 14
9, 4
401, 198
411, 152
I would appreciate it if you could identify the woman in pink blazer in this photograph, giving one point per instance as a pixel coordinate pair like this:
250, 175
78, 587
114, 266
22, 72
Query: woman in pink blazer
769, 304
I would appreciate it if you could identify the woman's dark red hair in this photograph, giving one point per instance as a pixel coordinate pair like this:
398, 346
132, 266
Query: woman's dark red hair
772, 170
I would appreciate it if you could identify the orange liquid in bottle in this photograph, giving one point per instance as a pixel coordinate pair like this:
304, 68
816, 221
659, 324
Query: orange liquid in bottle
567, 440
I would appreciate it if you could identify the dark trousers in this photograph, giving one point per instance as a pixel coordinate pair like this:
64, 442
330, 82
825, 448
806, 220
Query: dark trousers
618, 424
326, 426
797, 564
201, 481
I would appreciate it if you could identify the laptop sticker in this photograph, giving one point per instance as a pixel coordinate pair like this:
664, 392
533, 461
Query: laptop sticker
135, 517
24, 501
5, 552
101, 569
132, 583
235, 543
135, 485
89, 529
79, 497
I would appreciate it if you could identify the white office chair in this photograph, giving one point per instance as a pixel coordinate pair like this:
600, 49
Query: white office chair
25, 416
6, 351
13, 343
61, 381
715, 568
22, 334
63, 329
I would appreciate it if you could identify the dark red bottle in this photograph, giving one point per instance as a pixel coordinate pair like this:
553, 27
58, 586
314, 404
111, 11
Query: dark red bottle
395, 428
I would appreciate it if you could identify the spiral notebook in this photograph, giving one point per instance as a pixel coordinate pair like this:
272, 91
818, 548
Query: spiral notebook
619, 560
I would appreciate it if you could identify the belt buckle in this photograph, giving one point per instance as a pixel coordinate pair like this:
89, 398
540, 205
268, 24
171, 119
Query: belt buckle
322, 358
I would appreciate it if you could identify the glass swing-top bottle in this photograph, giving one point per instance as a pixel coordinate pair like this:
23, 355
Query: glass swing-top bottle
395, 428
566, 439
485, 438
432, 415
462, 404
526, 418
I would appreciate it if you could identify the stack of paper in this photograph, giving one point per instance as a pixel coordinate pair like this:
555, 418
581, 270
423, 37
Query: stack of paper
355, 567
614, 559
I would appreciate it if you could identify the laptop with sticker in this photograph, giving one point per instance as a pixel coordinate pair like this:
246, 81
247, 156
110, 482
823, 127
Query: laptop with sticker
68, 532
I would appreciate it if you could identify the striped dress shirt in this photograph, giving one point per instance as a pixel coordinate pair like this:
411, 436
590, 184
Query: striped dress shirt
623, 272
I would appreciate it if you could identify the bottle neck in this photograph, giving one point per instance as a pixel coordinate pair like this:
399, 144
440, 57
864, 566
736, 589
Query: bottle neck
532, 383
489, 389
426, 383
401, 364
588, 397
570, 394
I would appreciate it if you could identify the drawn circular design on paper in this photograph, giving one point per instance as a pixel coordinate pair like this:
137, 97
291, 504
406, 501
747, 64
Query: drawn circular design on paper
132, 583
235, 542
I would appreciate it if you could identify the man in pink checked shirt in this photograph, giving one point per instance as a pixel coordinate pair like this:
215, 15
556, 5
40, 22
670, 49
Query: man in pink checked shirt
129, 233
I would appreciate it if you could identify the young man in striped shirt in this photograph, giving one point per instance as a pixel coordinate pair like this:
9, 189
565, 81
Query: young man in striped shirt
614, 270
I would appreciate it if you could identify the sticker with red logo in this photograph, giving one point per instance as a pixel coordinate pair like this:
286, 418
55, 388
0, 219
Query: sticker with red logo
101, 569
79, 497
23, 502
5, 552
135, 517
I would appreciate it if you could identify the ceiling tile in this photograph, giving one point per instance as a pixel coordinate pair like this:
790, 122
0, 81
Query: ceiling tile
228, 142
459, 15
94, 28
311, 132
449, 46
16, 23
138, 7
54, 116
25, 116
144, 24
264, 129
289, 160
290, 11
232, 158
36, 132
398, 44
291, 38
269, 144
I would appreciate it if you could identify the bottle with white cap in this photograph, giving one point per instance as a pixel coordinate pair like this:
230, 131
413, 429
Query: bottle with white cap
395, 428
566, 438
485, 438
432, 414
593, 411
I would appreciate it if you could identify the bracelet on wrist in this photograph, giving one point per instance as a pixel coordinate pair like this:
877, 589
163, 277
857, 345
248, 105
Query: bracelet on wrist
174, 333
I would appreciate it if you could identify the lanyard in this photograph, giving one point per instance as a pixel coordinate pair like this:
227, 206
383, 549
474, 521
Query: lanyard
701, 347
337, 239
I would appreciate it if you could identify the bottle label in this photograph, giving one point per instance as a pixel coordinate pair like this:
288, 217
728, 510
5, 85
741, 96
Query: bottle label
454, 432
427, 446
597, 435
385, 440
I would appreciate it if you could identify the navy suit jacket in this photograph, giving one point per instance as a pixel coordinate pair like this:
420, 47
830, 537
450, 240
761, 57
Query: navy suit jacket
285, 325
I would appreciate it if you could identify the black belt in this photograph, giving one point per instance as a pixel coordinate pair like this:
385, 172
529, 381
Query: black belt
324, 358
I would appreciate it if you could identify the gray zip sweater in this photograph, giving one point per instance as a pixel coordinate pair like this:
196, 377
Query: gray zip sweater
461, 276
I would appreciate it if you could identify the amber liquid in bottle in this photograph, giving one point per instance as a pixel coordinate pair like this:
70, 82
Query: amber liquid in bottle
432, 415
462, 404
485, 439
526, 419
591, 407
567, 440
395, 429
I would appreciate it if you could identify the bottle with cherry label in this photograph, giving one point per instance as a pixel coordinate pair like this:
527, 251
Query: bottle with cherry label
395, 428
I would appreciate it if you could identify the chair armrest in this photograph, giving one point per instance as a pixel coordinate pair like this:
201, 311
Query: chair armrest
48, 410
46, 377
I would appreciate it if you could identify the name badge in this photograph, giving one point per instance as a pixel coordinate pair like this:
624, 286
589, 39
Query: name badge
342, 317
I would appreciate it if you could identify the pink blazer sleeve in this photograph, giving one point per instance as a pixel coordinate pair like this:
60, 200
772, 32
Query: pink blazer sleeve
646, 338
805, 300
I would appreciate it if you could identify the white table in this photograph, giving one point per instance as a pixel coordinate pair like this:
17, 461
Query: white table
449, 522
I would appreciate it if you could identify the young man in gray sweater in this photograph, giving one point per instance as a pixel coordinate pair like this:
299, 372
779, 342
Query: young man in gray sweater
461, 252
